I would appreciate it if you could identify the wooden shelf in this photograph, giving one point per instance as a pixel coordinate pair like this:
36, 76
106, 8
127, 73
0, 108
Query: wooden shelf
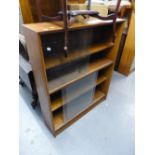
101, 79
58, 118
53, 62
53, 27
58, 102
93, 67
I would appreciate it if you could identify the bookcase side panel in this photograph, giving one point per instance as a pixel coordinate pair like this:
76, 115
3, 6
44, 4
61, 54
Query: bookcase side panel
38, 66
112, 54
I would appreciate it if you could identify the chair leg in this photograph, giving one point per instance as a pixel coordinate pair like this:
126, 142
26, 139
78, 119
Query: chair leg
21, 82
34, 102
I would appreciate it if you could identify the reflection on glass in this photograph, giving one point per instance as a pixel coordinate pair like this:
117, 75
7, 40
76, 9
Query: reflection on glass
78, 44
78, 96
65, 73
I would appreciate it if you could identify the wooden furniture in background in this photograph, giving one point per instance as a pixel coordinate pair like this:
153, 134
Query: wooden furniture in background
69, 87
26, 11
102, 9
76, 1
33, 9
126, 64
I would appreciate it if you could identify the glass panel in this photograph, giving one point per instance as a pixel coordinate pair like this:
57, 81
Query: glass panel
78, 96
53, 47
64, 74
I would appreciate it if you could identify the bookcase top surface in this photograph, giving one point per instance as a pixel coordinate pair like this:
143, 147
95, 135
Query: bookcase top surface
49, 27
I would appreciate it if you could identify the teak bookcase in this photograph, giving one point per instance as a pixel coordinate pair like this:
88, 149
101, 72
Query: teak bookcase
69, 87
